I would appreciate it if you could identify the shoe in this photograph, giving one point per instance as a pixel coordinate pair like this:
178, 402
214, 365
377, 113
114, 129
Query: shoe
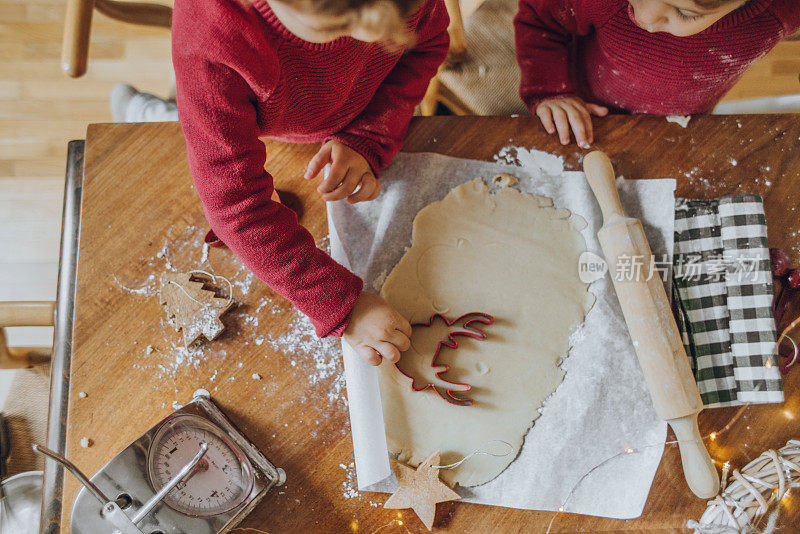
121, 96
130, 105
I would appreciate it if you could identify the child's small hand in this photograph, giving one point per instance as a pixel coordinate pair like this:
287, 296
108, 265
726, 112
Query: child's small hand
562, 112
348, 170
376, 330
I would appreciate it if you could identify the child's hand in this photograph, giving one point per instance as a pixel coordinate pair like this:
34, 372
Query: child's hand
348, 170
563, 112
376, 331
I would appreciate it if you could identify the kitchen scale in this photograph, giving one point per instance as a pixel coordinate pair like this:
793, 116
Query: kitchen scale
192, 473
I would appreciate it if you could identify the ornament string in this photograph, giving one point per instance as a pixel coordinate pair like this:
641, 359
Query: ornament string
478, 452
213, 279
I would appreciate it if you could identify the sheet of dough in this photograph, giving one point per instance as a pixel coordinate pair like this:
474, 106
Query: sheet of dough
515, 257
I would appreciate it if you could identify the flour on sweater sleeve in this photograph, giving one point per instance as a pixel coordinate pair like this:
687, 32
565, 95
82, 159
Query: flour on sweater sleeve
544, 32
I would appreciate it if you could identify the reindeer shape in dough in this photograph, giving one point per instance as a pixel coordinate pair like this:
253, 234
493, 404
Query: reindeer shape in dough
447, 390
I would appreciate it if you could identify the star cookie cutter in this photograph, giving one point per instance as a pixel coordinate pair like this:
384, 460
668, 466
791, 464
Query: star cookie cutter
467, 329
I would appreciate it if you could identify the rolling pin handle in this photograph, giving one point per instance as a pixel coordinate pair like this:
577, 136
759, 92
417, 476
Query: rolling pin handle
698, 467
600, 175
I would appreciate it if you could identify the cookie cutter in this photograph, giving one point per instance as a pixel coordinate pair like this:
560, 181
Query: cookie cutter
451, 342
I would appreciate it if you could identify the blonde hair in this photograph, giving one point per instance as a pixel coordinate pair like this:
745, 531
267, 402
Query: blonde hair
386, 18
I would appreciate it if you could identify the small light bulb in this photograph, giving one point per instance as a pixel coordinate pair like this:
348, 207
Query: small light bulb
629, 451
713, 435
560, 508
769, 364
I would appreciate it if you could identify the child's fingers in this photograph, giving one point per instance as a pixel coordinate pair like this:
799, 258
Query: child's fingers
581, 124
338, 171
404, 326
368, 186
398, 339
561, 119
387, 350
545, 115
377, 190
594, 109
369, 354
320, 159
347, 186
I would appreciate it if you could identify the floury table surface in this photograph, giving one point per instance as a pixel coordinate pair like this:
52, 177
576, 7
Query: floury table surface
140, 217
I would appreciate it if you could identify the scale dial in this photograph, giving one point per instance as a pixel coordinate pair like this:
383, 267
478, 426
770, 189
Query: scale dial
220, 482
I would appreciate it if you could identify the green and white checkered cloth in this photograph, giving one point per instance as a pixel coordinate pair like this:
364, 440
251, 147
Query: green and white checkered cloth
723, 281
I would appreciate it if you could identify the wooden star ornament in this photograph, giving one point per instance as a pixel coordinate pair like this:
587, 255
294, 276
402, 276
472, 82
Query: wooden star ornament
420, 489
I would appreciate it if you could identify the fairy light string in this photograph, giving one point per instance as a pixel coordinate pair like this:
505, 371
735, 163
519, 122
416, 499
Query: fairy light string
629, 450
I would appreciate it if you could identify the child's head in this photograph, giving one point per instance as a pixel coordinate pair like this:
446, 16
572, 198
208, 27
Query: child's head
680, 17
366, 20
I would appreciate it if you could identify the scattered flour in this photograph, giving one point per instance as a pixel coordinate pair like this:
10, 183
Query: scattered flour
318, 359
349, 486
681, 120
147, 289
532, 158
313, 361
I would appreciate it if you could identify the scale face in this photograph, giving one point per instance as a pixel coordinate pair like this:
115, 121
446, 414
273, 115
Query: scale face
224, 482
222, 479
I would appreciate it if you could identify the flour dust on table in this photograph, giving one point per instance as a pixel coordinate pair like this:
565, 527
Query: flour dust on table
312, 361
512, 256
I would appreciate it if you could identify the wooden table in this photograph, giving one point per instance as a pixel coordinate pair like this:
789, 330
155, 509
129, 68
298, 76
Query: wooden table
140, 216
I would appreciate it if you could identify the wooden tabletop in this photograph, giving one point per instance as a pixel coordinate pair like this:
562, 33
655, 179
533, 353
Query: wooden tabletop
141, 217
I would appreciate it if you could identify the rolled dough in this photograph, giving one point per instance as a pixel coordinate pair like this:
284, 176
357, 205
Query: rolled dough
515, 257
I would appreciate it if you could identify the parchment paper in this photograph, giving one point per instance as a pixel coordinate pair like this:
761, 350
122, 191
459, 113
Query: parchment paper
600, 410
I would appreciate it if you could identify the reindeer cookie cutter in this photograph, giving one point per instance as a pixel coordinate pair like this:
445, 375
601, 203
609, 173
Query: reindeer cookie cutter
451, 342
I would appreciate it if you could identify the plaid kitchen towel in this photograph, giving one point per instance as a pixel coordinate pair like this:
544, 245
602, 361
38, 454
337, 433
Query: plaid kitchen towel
723, 281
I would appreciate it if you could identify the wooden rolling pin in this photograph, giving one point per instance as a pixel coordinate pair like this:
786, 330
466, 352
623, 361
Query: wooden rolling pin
651, 324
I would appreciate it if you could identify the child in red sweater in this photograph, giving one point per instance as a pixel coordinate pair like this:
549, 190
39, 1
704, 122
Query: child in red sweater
347, 73
667, 57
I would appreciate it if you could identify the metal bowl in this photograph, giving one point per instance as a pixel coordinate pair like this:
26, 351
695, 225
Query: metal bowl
21, 508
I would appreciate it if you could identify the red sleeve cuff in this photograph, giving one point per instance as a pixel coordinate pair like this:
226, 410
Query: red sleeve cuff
335, 324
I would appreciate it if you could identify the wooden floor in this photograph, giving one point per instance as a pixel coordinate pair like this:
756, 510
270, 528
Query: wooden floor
41, 109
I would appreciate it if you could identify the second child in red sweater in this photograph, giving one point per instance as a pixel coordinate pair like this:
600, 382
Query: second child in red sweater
347, 73
666, 57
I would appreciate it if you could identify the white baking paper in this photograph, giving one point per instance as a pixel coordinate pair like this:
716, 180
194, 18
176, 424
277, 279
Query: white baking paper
600, 410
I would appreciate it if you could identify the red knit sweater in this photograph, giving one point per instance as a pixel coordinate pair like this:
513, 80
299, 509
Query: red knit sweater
242, 75
592, 49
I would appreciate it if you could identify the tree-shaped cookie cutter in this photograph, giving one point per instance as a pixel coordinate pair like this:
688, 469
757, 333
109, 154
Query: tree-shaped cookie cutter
467, 329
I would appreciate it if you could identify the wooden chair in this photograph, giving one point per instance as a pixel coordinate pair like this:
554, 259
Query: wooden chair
481, 75
78, 25
24, 314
